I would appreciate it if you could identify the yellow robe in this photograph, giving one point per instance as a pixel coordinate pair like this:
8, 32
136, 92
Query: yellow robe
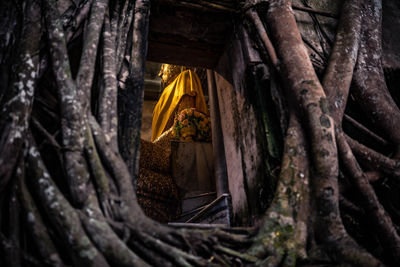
187, 83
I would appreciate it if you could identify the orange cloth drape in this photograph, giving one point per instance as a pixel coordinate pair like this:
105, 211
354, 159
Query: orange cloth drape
187, 83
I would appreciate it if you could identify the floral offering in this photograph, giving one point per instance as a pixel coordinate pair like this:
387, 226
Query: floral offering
192, 125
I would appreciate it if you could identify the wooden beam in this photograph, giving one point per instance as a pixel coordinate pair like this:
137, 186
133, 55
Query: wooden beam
221, 173
187, 36
221, 6
174, 54
316, 12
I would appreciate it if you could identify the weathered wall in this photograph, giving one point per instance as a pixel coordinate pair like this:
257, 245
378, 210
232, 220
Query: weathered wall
241, 131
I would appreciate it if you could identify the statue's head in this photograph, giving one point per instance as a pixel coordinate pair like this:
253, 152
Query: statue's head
169, 72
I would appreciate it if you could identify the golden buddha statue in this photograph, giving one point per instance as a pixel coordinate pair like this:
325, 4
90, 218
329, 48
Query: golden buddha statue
157, 192
183, 90
168, 73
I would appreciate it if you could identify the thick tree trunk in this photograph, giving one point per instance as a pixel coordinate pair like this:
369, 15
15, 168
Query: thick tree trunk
131, 97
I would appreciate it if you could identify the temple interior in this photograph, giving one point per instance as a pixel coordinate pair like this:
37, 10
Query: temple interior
184, 189
220, 180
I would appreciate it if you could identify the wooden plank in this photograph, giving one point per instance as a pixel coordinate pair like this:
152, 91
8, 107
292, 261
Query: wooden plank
224, 6
181, 41
173, 54
187, 36
194, 25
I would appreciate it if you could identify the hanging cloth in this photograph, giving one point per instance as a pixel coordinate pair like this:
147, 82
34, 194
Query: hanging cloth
186, 83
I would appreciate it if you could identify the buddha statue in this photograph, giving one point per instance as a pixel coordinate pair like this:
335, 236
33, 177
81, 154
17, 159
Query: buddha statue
182, 90
181, 103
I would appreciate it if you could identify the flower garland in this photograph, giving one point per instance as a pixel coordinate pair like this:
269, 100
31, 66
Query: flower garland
192, 125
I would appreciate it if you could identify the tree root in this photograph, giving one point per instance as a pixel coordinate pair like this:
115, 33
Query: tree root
283, 233
84, 78
380, 218
101, 179
108, 118
370, 157
177, 256
382, 142
105, 239
35, 224
369, 83
62, 216
17, 104
73, 123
